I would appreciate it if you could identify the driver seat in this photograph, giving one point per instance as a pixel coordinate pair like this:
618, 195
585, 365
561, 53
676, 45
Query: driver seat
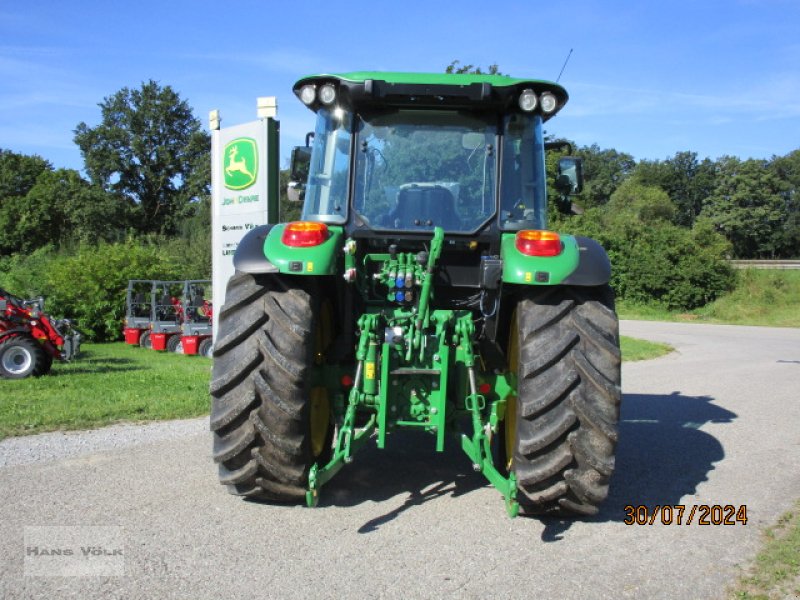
418, 205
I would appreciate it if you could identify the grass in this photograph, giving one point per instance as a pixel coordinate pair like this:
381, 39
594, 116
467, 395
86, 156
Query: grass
768, 298
776, 570
634, 349
107, 383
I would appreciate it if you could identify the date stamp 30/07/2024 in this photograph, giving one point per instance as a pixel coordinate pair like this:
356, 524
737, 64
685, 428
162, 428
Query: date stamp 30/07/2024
681, 514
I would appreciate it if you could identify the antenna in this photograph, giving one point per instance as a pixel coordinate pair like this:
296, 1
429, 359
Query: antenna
565, 65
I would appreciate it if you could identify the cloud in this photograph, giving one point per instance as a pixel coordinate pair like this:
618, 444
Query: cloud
776, 98
285, 60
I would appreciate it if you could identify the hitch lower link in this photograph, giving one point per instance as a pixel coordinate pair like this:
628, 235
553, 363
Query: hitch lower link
476, 446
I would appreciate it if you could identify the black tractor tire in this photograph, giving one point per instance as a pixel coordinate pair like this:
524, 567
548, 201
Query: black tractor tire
206, 348
22, 356
568, 398
261, 409
174, 344
145, 341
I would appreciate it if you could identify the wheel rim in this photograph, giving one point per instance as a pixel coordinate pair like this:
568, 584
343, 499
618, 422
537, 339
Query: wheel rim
320, 403
320, 419
17, 359
510, 431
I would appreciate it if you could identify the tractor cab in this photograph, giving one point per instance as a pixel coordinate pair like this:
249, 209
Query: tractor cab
404, 153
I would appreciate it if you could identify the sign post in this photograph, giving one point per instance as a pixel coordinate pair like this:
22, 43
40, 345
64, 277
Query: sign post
244, 184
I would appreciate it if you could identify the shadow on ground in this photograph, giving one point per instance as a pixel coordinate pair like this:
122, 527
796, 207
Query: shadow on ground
662, 454
661, 457
93, 366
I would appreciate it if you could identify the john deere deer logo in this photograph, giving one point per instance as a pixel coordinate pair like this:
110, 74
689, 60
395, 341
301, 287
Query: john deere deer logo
240, 163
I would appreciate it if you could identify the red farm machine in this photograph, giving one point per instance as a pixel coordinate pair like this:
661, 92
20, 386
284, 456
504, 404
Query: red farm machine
138, 312
169, 315
30, 339
166, 315
197, 317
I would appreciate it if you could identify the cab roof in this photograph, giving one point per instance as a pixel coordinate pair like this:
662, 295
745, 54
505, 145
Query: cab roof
359, 89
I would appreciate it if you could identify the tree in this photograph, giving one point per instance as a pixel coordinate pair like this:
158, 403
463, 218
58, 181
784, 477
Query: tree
748, 206
787, 169
647, 204
454, 67
687, 180
60, 207
19, 172
604, 171
150, 149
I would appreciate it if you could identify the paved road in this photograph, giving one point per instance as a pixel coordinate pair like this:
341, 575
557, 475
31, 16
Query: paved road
714, 423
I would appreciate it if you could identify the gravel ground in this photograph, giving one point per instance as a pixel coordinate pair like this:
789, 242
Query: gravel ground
714, 423
59, 445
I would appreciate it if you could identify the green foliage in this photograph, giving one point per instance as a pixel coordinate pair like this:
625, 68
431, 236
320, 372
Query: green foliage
288, 211
88, 284
749, 206
23, 274
604, 171
787, 169
150, 149
761, 297
18, 173
686, 180
457, 67
643, 203
653, 259
192, 248
61, 208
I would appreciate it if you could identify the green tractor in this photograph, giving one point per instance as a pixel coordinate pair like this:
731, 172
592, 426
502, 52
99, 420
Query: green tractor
421, 290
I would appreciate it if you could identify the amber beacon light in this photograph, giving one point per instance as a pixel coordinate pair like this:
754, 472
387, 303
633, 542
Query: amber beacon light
535, 242
303, 234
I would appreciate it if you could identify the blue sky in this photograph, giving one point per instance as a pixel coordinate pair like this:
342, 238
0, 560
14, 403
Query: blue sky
650, 78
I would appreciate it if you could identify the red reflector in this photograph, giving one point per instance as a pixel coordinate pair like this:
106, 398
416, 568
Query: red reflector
301, 234
347, 381
484, 388
534, 242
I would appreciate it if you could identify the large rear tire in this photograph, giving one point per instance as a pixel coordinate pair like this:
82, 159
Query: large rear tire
564, 349
22, 356
270, 426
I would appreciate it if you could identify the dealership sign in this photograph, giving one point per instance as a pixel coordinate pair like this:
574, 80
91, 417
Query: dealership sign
240, 181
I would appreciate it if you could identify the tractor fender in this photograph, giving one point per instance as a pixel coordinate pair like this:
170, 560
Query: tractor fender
15, 331
582, 262
319, 259
249, 256
594, 266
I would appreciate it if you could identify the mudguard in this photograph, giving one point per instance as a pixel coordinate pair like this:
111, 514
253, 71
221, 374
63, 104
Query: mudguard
10, 332
249, 256
594, 266
582, 262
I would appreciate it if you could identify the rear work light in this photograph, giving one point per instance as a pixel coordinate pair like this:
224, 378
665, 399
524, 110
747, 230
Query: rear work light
534, 242
303, 234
